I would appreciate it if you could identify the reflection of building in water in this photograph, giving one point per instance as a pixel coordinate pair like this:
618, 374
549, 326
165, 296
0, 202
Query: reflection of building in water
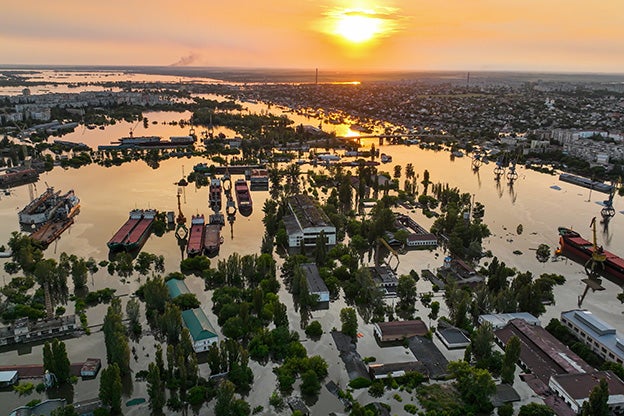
25, 331
306, 221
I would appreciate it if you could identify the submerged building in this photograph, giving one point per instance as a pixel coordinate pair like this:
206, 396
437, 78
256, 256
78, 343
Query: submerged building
202, 331
306, 222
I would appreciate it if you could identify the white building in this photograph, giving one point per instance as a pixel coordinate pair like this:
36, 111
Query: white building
202, 332
500, 320
306, 222
316, 285
574, 389
598, 335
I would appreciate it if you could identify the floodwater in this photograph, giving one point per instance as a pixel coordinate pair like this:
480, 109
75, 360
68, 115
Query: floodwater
107, 194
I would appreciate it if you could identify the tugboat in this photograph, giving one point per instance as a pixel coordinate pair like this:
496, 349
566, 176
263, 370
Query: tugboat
214, 196
243, 197
196, 236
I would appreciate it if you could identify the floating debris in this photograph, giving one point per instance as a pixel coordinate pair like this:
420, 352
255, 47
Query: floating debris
555, 187
517, 252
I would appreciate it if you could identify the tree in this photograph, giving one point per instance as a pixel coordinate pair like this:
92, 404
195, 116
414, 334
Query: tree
536, 409
512, 354
475, 385
61, 362
597, 405
110, 388
310, 383
348, 318
68, 410
115, 338
406, 291
314, 329
155, 390
79, 273
481, 344
133, 311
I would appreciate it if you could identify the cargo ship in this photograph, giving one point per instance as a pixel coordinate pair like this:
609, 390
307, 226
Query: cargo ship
575, 247
116, 243
212, 239
48, 206
243, 197
195, 243
214, 195
586, 183
62, 218
139, 234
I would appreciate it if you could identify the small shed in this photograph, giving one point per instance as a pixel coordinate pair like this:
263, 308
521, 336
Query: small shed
399, 330
8, 378
91, 367
176, 288
453, 338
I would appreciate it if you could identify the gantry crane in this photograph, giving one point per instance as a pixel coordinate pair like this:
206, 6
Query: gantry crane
593, 266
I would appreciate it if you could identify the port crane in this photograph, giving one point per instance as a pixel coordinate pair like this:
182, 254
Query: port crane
499, 169
392, 251
608, 212
593, 266
477, 161
181, 231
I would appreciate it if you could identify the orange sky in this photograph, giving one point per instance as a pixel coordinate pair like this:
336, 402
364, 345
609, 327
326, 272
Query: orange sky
536, 35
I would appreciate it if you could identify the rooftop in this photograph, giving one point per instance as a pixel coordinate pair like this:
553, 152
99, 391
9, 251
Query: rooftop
499, 320
315, 282
405, 329
308, 213
198, 324
597, 329
542, 353
580, 385
7, 376
176, 288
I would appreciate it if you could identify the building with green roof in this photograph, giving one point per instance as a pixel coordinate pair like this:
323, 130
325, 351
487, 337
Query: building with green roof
176, 288
201, 329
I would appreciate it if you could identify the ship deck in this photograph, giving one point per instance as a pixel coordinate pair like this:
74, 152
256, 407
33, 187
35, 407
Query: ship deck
196, 238
51, 231
136, 233
213, 236
124, 232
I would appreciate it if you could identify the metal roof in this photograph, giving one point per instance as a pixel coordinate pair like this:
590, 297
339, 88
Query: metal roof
198, 324
597, 329
315, 282
6, 376
176, 288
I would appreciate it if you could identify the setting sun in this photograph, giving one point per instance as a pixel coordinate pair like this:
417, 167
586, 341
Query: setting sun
358, 28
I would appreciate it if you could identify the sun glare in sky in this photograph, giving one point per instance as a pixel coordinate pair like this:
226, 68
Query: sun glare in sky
358, 28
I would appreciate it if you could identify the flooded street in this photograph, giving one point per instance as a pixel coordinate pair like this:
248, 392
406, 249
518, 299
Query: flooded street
108, 194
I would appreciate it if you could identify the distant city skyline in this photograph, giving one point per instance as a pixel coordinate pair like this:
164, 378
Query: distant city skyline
455, 35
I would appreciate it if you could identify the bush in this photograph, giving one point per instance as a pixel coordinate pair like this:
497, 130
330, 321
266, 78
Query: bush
360, 383
397, 398
24, 389
505, 410
33, 402
314, 329
410, 408
376, 389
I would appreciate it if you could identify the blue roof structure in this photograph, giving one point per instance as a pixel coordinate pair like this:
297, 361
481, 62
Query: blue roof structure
176, 288
198, 324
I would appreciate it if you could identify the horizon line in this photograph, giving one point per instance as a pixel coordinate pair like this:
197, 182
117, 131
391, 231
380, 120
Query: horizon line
312, 68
